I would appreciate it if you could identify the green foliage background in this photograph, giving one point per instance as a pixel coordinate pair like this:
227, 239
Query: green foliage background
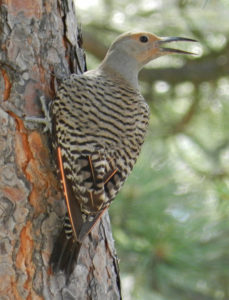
171, 219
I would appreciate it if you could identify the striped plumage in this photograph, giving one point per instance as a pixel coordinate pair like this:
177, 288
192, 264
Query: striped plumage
100, 125
102, 120
99, 122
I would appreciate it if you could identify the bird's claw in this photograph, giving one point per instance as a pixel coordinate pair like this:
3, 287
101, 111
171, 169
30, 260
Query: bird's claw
46, 121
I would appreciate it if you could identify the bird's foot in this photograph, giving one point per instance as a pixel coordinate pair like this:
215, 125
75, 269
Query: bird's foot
46, 121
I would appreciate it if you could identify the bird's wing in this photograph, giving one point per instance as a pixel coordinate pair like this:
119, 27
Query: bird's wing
86, 202
95, 131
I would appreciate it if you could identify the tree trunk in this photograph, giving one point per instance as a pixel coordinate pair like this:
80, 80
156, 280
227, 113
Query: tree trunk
39, 43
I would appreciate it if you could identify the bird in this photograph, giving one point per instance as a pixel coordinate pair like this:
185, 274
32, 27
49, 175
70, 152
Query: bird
99, 123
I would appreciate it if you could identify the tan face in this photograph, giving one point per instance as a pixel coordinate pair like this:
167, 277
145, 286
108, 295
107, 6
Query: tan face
147, 45
142, 46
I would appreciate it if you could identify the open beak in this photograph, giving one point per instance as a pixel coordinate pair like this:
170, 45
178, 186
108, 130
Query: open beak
174, 39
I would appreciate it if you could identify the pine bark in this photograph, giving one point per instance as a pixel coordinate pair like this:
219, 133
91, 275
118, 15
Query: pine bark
39, 45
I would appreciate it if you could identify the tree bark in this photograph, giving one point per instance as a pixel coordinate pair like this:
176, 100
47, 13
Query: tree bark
40, 43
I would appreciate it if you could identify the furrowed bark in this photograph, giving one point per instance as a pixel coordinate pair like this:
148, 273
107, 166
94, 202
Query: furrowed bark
39, 45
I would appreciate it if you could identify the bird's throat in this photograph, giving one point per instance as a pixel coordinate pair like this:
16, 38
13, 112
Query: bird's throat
122, 67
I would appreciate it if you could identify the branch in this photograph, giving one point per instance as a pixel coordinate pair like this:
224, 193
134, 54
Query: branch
188, 115
206, 68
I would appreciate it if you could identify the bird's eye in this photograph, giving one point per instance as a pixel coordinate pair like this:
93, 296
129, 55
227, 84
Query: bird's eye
143, 39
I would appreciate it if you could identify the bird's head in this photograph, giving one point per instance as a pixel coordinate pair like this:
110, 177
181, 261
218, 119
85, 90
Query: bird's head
131, 51
145, 46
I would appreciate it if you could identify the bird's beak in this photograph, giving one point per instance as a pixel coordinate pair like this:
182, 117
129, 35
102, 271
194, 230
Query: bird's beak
174, 39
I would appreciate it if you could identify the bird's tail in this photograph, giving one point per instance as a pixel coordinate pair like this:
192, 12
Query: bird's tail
65, 254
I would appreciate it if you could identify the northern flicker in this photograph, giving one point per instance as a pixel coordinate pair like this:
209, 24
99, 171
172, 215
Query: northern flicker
99, 122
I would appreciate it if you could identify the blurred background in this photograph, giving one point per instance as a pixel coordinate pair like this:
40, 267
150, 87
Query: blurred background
171, 220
